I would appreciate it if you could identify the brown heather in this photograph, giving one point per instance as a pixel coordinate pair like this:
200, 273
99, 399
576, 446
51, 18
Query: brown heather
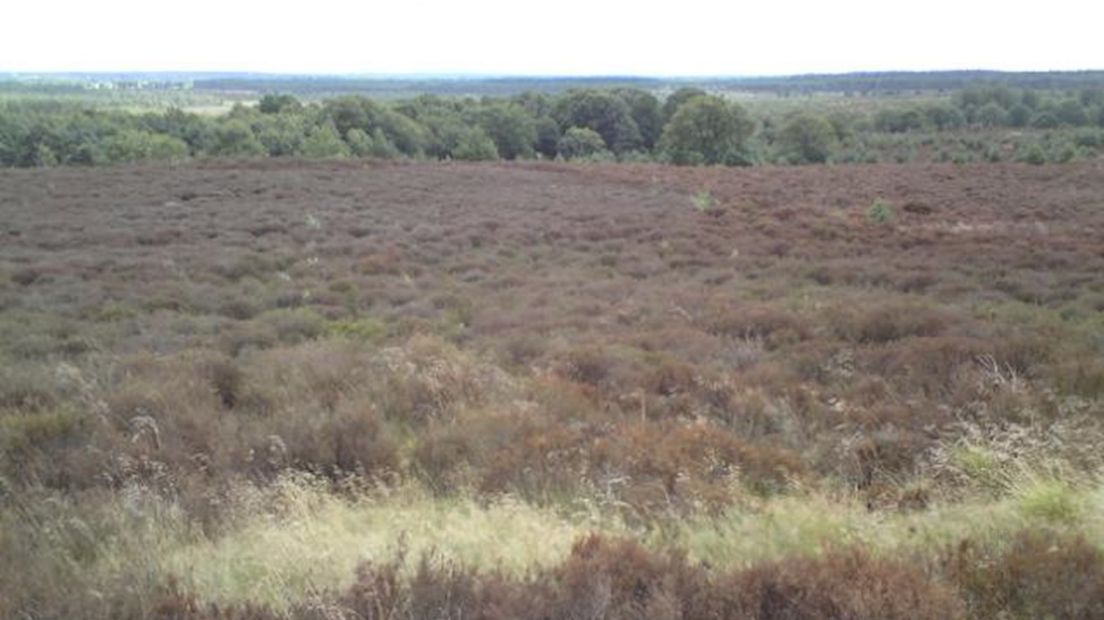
577, 338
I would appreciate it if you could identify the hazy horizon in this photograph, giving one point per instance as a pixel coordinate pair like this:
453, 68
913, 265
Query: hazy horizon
550, 76
578, 39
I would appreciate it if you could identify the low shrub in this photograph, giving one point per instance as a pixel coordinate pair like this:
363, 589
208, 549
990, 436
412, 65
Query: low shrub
1039, 575
889, 321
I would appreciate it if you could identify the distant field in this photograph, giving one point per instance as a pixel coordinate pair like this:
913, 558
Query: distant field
538, 389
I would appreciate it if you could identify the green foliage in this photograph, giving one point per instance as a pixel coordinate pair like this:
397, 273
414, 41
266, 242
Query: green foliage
581, 142
632, 123
646, 113
943, 117
349, 112
548, 136
1050, 500
605, 113
282, 134
1045, 119
1034, 155
1019, 115
324, 142
896, 120
510, 128
276, 104
703, 200
675, 100
473, 144
991, 115
234, 138
376, 145
138, 145
881, 212
707, 130
807, 139
1070, 112
364, 329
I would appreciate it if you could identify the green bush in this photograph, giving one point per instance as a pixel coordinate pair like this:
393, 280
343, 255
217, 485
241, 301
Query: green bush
707, 130
807, 139
581, 142
880, 212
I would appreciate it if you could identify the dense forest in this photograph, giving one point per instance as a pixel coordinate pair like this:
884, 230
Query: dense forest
687, 126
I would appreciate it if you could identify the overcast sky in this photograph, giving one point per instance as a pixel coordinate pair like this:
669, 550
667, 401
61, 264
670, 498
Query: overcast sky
558, 37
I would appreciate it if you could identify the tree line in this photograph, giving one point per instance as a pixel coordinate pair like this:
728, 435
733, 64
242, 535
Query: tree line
689, 126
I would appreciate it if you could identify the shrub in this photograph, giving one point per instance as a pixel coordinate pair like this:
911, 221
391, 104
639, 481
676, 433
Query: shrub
807, 139
707, 130
839, 584
772, 326
293, 326
1049, 500
703, 201
590, 365
889, 321
880, 212
324, 142
1040, 575
580, 142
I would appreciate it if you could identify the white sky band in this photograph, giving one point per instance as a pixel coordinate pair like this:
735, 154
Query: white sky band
568, 37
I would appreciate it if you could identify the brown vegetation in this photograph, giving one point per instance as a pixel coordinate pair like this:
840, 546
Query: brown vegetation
557, 333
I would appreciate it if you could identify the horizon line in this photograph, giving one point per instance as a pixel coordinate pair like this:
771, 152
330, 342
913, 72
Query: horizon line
6, 73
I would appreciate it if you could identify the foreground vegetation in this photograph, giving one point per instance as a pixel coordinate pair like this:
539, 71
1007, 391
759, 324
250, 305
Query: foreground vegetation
283, 388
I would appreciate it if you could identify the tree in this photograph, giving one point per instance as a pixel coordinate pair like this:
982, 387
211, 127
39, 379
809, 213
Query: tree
281, 134
943, 116
895, 120
139, 145
581, 142
646, 113
323, 141
234, 138
991, 115
275, 104
1071, 112
473, 144
548, 136
376, 144
193, 129
679, 97
1019, 115
708, 130
807, 139
1045, 119
603, 112
351, 111
511, 129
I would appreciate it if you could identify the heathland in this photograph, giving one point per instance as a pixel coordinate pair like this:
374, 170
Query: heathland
276, 387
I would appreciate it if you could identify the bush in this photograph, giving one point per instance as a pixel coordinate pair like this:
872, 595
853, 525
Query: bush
136, 145
887, 322
807, 139
880, 212
580, 142
839, 584
325, 142
1040, 575
1034, 155
707, 130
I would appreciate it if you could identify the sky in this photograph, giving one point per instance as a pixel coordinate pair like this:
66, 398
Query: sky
561, 37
